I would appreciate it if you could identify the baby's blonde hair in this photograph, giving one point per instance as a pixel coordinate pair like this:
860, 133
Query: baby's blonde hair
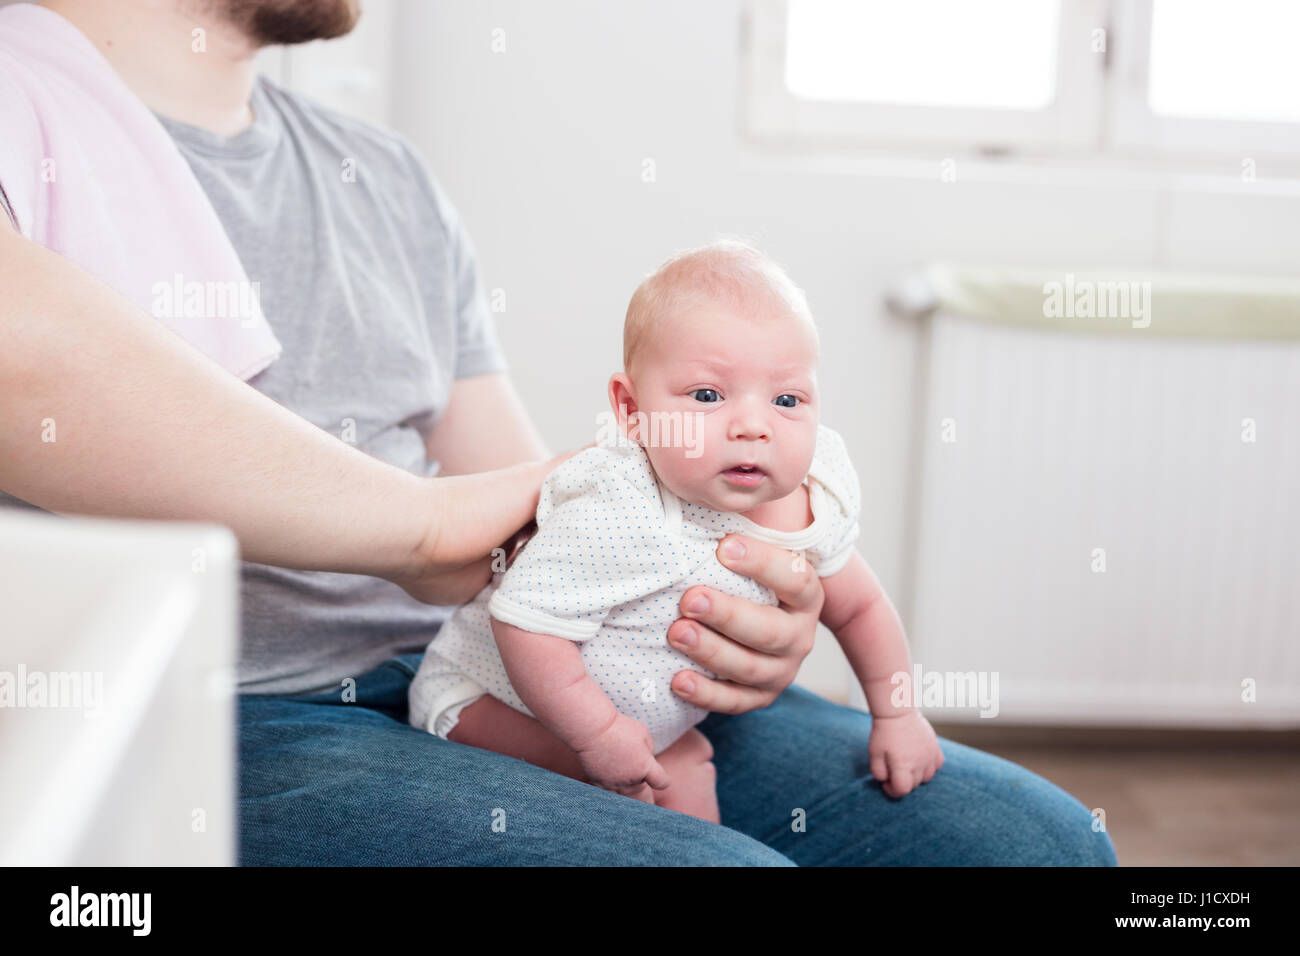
728, 270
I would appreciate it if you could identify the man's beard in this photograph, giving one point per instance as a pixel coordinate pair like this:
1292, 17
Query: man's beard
273, 22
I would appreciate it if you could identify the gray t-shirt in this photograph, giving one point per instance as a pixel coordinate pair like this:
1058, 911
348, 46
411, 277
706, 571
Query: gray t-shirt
372, 288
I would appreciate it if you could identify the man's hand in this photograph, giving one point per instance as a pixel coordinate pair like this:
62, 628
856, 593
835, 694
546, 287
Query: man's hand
754, 649
471, 523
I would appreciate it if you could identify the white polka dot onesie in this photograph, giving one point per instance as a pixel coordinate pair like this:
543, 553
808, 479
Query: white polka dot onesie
613, 553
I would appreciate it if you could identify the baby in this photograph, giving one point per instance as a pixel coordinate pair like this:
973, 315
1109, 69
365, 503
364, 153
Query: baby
563, 659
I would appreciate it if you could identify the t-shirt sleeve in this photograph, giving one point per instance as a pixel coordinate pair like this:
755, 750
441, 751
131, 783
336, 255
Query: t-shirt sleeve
478, 350
843, 494
6, 208
20, 155
600, 542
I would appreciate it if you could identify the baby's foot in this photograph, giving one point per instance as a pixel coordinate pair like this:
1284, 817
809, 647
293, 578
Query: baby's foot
689, 762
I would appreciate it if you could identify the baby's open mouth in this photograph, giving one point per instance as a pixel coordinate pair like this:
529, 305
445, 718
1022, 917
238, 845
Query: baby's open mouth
746, 475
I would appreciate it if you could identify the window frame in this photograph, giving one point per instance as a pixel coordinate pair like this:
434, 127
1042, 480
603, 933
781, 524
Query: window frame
1100, 113
1136, 129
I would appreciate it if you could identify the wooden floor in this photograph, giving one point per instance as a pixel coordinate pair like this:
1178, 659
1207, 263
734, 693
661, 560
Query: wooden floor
1172, 798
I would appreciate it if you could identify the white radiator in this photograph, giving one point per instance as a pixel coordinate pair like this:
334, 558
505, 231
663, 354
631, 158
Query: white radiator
1108, 523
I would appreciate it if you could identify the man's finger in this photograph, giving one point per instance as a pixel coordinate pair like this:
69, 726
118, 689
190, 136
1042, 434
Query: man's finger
759, 626
723, 657
718, 695
788, 574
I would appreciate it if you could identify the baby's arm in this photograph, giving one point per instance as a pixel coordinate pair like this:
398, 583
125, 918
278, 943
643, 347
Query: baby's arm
547, 672
904, 749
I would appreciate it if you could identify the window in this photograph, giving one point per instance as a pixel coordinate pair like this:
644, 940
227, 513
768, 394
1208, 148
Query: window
850, 52
1207, 78
1150, 77
1255, 74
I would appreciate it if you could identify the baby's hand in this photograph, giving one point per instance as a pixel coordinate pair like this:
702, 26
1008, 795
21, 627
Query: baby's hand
622, 759
904, 752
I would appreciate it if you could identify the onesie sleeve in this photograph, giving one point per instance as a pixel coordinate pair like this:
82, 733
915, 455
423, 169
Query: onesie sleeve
842, 499
601, 541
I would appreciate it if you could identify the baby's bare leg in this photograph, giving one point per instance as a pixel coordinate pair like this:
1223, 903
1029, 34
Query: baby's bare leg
689, 761
492, 725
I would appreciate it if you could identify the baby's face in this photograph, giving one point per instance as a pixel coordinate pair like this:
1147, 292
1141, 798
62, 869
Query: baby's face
751, 385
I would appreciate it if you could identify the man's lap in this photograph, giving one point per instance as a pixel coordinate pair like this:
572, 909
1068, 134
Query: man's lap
328, 782
807, 754
336, 783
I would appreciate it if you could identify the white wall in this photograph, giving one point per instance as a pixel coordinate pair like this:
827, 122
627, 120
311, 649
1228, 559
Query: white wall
541, 147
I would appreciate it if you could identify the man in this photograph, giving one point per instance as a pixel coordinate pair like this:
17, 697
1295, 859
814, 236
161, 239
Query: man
372, 288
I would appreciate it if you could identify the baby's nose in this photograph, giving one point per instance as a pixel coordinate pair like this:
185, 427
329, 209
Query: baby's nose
749, 427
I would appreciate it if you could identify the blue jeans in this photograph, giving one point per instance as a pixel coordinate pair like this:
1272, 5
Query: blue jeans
326, 782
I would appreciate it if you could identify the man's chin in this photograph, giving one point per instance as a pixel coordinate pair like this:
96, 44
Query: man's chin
284, 22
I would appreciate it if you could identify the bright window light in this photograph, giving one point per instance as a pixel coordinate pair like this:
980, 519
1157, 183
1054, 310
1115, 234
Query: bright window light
1226, 59
994, 54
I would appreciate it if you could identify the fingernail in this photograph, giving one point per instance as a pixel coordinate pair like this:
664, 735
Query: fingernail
697, 605
688, 637
733, 549
687, 685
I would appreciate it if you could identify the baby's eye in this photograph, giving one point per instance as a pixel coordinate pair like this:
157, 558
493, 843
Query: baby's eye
705, 395
786, 401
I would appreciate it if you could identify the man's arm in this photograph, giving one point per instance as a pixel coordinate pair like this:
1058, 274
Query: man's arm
145, 426
484, 426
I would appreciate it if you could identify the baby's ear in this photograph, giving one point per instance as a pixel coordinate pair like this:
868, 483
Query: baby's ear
622, 401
